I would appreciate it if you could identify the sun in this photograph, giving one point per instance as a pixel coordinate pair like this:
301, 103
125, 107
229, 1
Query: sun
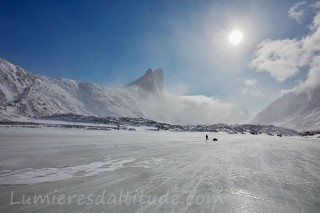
235, 37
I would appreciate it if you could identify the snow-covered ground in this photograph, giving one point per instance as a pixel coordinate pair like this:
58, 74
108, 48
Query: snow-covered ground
76, 170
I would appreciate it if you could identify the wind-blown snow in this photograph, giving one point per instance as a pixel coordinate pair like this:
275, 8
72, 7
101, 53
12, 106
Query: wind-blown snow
247, 173
33, 176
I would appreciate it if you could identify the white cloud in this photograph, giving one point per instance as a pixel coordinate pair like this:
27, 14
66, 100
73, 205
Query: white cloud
297, 11
249, 86
250, 82
311, 43
316, 5
285, 91
313, 78
182, 109
283, 59
250, 91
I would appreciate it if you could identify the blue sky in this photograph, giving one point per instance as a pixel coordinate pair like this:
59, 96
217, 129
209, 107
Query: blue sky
114, 42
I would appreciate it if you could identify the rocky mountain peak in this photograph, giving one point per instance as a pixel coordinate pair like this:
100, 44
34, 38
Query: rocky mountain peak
151, 81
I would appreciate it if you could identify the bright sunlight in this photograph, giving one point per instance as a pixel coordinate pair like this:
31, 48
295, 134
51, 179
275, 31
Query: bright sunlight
235, 37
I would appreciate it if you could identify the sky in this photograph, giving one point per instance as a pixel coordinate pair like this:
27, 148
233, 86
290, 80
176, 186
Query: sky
114, 42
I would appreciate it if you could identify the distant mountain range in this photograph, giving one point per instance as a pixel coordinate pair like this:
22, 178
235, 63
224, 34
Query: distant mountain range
29, 95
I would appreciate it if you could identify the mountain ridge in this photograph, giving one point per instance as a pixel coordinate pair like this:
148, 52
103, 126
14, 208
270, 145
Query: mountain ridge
152, 81
298, 110
26, 94
30, 95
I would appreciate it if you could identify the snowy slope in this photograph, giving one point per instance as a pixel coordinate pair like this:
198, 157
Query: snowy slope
299, 110
26, 94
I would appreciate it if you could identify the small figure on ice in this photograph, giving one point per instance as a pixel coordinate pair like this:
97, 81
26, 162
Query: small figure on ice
215, 139
207, 137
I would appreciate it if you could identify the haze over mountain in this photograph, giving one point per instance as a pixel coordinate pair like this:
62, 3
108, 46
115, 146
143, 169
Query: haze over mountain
292, 110
28, 95
151, 81
298, 109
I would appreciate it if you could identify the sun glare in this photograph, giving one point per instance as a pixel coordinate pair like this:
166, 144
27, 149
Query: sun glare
235, 37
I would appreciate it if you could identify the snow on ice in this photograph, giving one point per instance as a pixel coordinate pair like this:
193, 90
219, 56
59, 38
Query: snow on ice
238, 173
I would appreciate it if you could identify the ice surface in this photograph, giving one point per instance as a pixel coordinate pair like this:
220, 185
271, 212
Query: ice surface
242, 173
33, 176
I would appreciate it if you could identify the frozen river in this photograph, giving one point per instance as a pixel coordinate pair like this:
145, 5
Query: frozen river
61, 170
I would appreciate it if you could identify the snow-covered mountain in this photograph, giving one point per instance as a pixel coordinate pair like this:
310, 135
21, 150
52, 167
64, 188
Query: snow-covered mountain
26, 94
151, 81
298, 109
